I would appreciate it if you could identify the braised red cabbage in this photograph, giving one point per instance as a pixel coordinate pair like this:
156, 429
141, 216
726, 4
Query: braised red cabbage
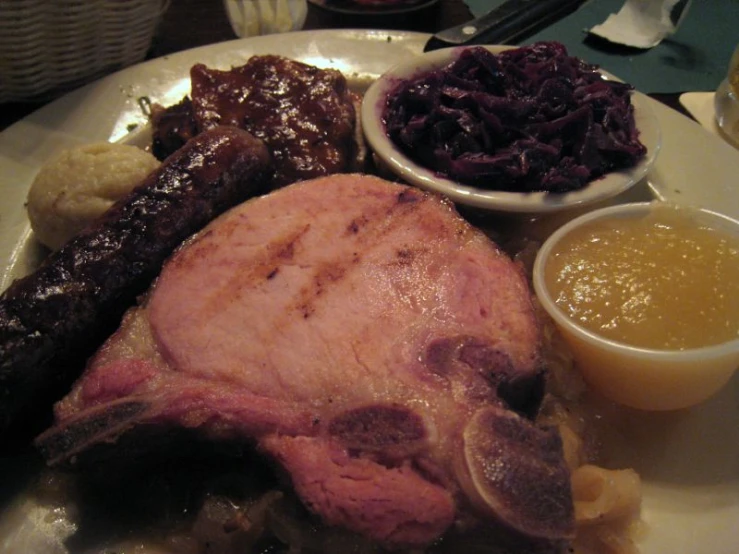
528, 119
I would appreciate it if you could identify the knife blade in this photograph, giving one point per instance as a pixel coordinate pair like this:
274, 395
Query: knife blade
504, 24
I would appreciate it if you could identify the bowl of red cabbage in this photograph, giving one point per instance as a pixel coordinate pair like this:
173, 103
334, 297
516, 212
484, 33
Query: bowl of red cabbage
529, 129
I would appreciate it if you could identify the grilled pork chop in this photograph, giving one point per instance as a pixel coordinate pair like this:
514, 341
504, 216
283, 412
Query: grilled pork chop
381, 350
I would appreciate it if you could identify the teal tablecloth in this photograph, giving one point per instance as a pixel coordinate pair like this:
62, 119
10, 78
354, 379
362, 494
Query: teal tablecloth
694, 58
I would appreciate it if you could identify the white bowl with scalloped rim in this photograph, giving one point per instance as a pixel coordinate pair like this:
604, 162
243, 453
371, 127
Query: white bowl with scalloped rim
400, 164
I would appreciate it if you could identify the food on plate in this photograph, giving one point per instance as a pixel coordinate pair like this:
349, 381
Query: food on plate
382, 351
659, 281
384, 357
305, 115
51, 319
527, 119
74, 188
648, 298
605, 504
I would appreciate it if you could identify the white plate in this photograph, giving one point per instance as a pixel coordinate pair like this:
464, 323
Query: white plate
689, 460
600, 189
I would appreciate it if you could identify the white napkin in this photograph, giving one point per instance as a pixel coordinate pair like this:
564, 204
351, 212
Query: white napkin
643, 23
262, 17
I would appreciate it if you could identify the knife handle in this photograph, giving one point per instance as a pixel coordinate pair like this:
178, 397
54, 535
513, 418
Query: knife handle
503, 24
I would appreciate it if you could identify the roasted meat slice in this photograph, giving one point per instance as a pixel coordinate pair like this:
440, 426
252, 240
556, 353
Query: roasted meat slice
376, 346
305, 115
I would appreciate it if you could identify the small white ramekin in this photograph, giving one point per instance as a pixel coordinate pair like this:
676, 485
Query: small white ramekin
640, 377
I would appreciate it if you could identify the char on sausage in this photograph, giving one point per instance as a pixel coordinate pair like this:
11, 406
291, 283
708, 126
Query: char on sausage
51, 320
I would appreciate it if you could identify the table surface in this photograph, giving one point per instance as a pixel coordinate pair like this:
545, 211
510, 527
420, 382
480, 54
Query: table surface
191, 23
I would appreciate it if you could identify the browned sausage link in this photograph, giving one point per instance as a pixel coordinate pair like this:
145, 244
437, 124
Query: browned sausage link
52, 320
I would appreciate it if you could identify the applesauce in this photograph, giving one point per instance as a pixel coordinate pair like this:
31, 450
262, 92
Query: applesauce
660, 281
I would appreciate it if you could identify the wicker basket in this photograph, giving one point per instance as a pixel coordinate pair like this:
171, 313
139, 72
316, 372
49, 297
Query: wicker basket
50, 46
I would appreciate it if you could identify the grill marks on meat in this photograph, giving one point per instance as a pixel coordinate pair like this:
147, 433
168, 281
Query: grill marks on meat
304, 114
367, 339
50, 319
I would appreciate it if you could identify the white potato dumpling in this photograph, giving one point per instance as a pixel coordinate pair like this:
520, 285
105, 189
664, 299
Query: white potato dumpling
78, 185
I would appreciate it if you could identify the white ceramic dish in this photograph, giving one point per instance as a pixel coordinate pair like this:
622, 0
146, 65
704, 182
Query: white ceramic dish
640, 377
688, 460
533, 202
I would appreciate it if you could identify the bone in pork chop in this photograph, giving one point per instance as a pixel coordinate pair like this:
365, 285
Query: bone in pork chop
380, 349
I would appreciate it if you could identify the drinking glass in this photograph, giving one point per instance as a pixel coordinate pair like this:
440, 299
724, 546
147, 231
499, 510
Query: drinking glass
264, 17
726, 101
